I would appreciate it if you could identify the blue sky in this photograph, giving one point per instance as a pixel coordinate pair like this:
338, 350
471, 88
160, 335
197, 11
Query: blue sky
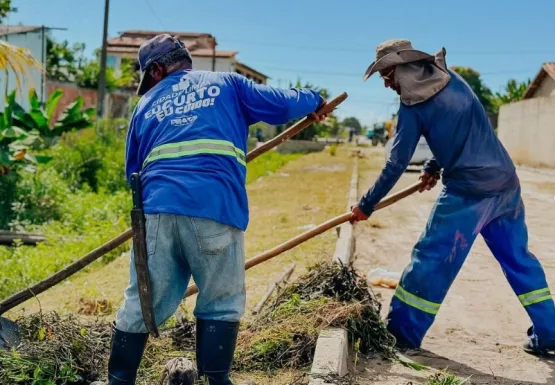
329, 43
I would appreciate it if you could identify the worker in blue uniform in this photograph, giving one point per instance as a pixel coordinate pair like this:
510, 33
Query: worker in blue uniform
481, 195
188, 139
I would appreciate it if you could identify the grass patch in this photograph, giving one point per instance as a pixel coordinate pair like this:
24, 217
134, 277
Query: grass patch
268, 163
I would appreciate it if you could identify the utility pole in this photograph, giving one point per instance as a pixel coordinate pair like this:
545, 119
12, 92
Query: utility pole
43, 63
214, 54
102, 76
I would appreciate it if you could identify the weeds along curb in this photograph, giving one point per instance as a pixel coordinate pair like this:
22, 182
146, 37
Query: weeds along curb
332, 348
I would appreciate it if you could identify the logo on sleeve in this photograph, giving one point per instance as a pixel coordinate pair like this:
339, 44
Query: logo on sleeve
183, 85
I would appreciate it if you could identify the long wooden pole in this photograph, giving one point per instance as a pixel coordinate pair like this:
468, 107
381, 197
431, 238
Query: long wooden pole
296, 128
28, 293
323, 227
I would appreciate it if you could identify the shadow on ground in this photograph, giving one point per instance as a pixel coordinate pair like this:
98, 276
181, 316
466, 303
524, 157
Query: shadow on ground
384, 372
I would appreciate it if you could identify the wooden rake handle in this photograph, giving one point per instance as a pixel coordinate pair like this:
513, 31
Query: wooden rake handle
323, 227
297, 127
28, 293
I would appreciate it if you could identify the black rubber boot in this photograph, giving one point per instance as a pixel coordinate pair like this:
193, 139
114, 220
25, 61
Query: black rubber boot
125, 357
215, 347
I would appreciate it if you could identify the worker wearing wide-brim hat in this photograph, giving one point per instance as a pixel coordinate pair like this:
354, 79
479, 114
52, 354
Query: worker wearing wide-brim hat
481, 195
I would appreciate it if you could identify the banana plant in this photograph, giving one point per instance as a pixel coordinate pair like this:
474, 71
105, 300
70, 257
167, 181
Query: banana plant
14, 145
24, 132
39, 118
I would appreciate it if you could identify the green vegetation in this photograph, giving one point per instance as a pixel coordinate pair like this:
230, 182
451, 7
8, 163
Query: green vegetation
513, 92
26, 138
78, 200
67, 63
267, 164
5, 8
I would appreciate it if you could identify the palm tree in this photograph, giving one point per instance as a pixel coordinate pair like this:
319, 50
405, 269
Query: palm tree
18, 60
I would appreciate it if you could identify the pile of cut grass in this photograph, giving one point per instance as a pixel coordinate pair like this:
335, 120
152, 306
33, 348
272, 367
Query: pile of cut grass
329, 295
65, 351
56, 351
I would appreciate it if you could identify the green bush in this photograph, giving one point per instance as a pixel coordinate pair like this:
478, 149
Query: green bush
8, 193
92, 159
38, 198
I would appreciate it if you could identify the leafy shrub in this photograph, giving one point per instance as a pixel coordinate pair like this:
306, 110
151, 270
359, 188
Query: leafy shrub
38, 199
8, 195
93, 159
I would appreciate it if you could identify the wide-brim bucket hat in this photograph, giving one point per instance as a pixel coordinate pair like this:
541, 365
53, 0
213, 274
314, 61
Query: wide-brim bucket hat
393, 53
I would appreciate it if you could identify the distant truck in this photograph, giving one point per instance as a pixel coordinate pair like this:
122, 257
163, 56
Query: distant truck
378, 133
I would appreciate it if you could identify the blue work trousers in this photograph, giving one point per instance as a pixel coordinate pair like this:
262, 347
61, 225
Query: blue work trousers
454, 224
178, 247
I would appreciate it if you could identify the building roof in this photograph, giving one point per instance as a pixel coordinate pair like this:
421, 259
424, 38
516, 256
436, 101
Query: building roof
251, 69
548, 69
15, 29
140, 33
198, 44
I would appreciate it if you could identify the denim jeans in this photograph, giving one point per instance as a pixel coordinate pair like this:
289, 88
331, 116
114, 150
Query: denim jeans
179, 247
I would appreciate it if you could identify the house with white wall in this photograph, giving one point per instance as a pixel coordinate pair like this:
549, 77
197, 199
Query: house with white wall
34, 39
527, 128
202, 47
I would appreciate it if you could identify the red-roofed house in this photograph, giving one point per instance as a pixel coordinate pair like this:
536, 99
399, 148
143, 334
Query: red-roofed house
127, 44
543, 84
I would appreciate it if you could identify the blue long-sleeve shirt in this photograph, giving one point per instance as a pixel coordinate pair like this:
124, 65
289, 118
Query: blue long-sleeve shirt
188, 139
459, 134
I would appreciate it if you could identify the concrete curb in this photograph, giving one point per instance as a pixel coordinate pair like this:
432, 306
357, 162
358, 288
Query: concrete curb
332, 347
345, 246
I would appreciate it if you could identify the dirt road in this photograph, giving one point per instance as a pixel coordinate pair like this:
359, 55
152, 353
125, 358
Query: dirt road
481, 325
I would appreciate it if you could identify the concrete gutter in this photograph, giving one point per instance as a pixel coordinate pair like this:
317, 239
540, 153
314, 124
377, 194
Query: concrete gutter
332, 347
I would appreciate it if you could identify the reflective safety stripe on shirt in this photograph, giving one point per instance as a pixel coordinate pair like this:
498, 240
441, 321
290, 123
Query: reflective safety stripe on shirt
535, 297
416, 302
196, 147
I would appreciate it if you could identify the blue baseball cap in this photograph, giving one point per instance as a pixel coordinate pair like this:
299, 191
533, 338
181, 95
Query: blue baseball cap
152, 50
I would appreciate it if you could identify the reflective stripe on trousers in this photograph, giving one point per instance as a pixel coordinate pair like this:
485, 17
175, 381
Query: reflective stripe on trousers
535, 296
416, 302
196, 147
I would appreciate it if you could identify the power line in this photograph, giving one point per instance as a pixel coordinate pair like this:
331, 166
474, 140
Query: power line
362, 50
359, 75
155, 14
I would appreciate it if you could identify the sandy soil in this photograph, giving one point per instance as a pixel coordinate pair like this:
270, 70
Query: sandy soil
481, 325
